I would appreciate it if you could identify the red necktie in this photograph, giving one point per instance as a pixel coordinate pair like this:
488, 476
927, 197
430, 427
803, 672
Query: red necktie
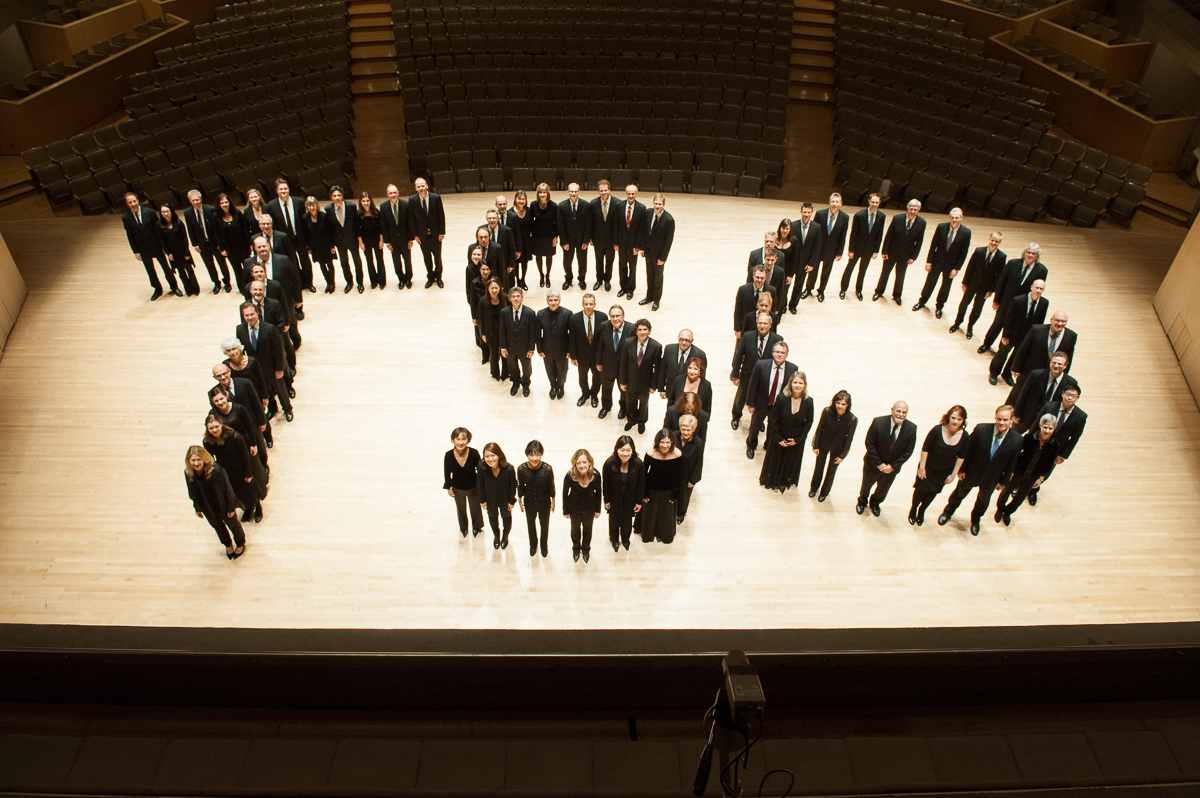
641, 350
628, 214
774, 385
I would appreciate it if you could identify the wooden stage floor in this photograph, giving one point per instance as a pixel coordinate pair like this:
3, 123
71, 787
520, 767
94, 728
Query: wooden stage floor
101, 392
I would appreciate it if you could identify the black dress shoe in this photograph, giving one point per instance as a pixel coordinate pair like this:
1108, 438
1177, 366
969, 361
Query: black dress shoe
841, 295
587, 555
654, 306
582, 284
475, 532
545, 553
812, 493
513, 390
917, 307
620, 414
943, 519
805, 294
346, 290
440, 283
750, 453
566, 286
464, 532
823, 497
575, 556
607, 285
860, 508
953, 329
641, 428
258, 515
525, 391
735, 423
875, 510
875, 296
937, 313
596, 285
982, 349
270, 444
858, 295
616, 546
975, 528
595, 402
1007, 519
897, 300
912, 518
820, 296
533, 551
1009, 381
228, 288
291, 393
504, 543
629, 425
496, 543
553, 393
678, 520
428, 283
603, 413
645, 301
361, 289
237, 553
216, 288
625, 543
156, 295
998, 517
176, 292
582, 401
970, 335
312, 289
1032, 498
792, 311
992, 379
287, 414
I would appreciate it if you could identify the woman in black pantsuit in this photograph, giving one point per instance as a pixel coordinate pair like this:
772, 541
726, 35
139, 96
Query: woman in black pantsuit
543, 233
789, 422
944, 445
245, 471
497, 491
691, 446
581, 494
369, 240
535, 492
692, 380
476, 277
462, 480
489, 311
624, 488
213, 499
664, 469
831, 442
233, 235
174, 239
518, 219
1034, 464
317, 233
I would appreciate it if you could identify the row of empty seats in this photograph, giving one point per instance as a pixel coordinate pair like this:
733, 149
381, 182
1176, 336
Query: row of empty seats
1093, 25
648, 180
1013, 8
63, 12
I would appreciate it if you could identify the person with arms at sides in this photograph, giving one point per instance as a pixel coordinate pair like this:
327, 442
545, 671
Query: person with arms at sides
750, 321
491, 311
834, 225
584, 349
255, 212
462, 480
1039, 388
476, 288
503, 237
614, 333
238, 418
688, 404
941, 453
624, 478
581, 502
241, 392
750, 350
198, 218
1024, 312
789, 422
901, 246
574, 235
767, 381
660, 234
491, 252
319, 236
519, 221
804, 259
370, 234
640, 360
242, 365
213, 499
664, 472
175, 246
979, 282
229, 448
890, 442
285, 212
1041, 343
396, 238
277, 240
535, 492
866, 241
674, 362
1015, 280
947, 252
141, 230
776, 275
427, 224
691, 447
986, 463
262, 340
518, 340
692, 380
747, 296
758, 256
497, 490
631, 229
543, 233
1039, 450
272, 306
553, 342
1071, 421
276, 267
831, 441
785, 243
343, 221
232, 236
605, 214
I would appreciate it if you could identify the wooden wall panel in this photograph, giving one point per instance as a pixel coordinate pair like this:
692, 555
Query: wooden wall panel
49, 43
1178, 306
12, 293
1122, 61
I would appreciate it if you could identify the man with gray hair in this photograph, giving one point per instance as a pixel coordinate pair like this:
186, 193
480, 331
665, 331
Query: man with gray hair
553, 342
200, 222
1016, 278
901, 246
241, 391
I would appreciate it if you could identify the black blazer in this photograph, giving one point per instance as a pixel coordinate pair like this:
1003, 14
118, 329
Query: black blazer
609, 358
634, 233
639, 378
759, 389
980, 468
497, 490
1034, 460
672, 368
604, 233
554, 333
395, 227
504, 238
834, 435
520, 337
574, 229
834, 242
1010, 284
901, 245
320, 236
1018, 321
344, 235
1070, 431
269, 351
275, 210
659, 236
277, 293
580, 350
746, 302
1030, 394
981, 275
282, 270
142, 234
491, 257
745, 355
1034, 349
807, 252
246, 395
865, 243
197, 235
945, 257
426, 228
271, 311
881, 449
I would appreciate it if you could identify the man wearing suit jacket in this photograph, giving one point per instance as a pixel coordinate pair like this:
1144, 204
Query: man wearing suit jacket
554, 343
745, 301
198, 220
901, 246
834, 224
141, 230
518, 340
241, 392
947, 253
613, 335
286, 212
757, 256
605, 214
890, 442
674, 361
804, 256
584, 341
503, 237
660, 234
345, 235
492, 255
277, 267
866, 239
394, 215
640, 359
746, 355
766, 386
979, 282
427, 223
271, 303
574, 234
1041, 343
631, 230
1071, 423
986, 464
772, 260
1023, 313
1016, 277
1040, 387
262, 340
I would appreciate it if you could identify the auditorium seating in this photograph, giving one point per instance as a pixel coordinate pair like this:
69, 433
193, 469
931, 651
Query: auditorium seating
582, 92
63, 12
1013, 8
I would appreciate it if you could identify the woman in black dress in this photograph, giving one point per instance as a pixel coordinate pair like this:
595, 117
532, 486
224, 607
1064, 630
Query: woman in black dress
535, 492
233, 236
543, 233
489, 309
256, 211
317, 233
581, 502
173, 234
497, 488
475, 278
370, 240
944, 445
229, 448
664, 469
692, 380
789, 423
213, 499
518, 219
691, 445
831, 442
462, 479
783, 246
624, 477
1034, 464
687, 404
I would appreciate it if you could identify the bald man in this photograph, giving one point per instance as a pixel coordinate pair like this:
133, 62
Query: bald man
891, 440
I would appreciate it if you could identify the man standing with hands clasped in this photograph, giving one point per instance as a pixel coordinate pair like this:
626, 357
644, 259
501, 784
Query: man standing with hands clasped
766, 383
518, 339
574, 234
947, 253
660, 233
986, 464
427, 224
640, 359
890, 442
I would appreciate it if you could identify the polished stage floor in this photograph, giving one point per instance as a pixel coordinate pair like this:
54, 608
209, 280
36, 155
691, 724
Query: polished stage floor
101, 392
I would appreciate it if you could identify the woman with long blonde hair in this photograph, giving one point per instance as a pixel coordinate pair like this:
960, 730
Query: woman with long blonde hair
213, 499
581, 501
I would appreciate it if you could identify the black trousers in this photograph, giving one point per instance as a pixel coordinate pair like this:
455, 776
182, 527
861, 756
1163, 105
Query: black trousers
431, 251
401, 264
581, 532
931, 280
862, 260
921, 501
465, 500
556, 371
882, 483
683, 502
375, 272
499, 365
533, 515
739, 398
797, 288
343, 253
826, 270
637, 406
325, 263
520, 369
305, 267
997, 324
654, 277
187, 276
605, 255
620, 527
758, 420
823, 485
1018, 490
580, 256
982, 499
886, 271
281, 389
212, 259
627, 269
589, 379
606, 392
976, 299
225, 526
494, 514
1001, 364
148, 259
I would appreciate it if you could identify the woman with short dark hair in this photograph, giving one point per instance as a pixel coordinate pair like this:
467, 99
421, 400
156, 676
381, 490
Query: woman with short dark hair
944, 445
462, 480
831, 442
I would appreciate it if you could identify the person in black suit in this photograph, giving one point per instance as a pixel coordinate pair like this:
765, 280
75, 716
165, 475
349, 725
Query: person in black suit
660, 233
574, 234
831, 443
986, 464
261, 339
766, 385
1023, 313
318, 234
979, 282
631, 230
1040, 387
554, 341
947, 252
173, 235
675, 359
640, 360
1039, 451
805, 255
613, 335
277, 267
584, 343
492, 255
213, 499
890, 442
1014, 280
273, 307
518, 340
141, 230
758, 256
397, 239
285, 211
746, 299
834, 225
866, 240
604, 234
901, 246
1041, 343
503, 237
1071, 423
202, 232
749, 351
241, 391
427, 224
343, 218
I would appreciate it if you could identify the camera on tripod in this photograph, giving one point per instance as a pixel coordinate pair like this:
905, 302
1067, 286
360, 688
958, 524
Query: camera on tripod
739, 702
